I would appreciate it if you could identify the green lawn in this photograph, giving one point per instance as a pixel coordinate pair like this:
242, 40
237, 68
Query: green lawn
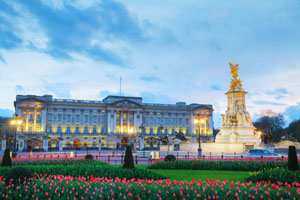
204, 174
201, 174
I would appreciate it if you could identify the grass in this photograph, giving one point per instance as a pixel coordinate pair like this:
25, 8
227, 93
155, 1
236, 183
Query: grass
204, 174
201, 174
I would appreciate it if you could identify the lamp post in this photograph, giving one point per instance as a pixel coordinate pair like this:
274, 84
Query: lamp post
199, 122
15, 122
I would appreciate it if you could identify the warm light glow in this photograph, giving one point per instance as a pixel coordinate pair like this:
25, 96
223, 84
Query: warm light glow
196, 121
19, 121
13, 122
259, 132
71, 154
130, 130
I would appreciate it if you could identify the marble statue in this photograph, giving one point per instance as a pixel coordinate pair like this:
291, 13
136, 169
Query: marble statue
237, 125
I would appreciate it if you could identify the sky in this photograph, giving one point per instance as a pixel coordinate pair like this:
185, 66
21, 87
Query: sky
165, 51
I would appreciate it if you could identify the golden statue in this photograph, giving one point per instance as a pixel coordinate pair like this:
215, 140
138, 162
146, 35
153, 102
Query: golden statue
234, 71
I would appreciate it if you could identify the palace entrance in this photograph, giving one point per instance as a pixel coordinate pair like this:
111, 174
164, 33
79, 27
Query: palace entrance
76, 144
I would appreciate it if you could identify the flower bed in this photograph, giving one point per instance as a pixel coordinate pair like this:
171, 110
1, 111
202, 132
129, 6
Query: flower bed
88, 169
57, 162
61, 187
275, 176
232, 165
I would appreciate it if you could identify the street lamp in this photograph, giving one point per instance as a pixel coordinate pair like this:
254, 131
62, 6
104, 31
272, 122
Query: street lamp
199, 122
15, 122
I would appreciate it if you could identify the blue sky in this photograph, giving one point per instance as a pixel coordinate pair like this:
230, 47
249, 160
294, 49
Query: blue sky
165, 51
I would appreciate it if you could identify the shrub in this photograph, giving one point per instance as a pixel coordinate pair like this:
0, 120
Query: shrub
128, 160
17, 175
275, 175
292, 159
89, 157
230, 165
170, 158
90, 169
6, 161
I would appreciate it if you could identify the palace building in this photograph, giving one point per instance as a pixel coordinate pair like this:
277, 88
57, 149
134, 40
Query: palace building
62, 124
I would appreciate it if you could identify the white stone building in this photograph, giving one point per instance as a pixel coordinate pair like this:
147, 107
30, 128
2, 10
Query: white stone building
62, 124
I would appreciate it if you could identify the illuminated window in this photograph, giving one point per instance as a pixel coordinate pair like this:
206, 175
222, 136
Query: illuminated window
31, 118
86, 129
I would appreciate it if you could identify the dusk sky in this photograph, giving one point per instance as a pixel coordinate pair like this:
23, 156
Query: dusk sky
165, 51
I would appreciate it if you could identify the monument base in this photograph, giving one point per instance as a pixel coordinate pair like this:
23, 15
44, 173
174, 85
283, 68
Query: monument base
212, 147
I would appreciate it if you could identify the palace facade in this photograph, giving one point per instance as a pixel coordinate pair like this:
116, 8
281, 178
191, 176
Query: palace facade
62, 124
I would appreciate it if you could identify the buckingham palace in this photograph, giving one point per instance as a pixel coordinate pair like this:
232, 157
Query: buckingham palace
61, 124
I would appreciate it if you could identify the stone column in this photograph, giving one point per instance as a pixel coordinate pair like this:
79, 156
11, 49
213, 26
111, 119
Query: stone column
108, 122
27, 119
45, 144
34, 120
61, 144
100, 145
43, 119
135, 123
121, 118
3, 144
141, 143
21, 145
115, 122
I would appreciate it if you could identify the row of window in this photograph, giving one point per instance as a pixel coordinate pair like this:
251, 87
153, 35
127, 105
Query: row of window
68, 118
31, 117
172, 121
77, 130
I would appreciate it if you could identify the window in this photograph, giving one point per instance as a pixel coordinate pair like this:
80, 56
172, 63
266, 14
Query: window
86, 118
86, 129
31, 117
187, 131
166, 131
173, 131
94, 130
68, 118
180, 121
187, 121
77, 129
68, 129
166, 120
24, 116
38, 118
49, 117
59, 118
158, 120
173, 120
103, 120
58, 129
151, 120
77, 118
102, 130
50, 129
94, 118
151, 130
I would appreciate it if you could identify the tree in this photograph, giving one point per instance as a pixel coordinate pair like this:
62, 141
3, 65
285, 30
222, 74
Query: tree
294, 127
6, 161
274, 123
128, 160
292, 159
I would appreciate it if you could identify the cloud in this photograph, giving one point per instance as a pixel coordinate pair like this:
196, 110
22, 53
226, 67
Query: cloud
19, 89
268, 103
91, 31
216, 87
278, 93
149, 97
150, 79
292, 112
60, 89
